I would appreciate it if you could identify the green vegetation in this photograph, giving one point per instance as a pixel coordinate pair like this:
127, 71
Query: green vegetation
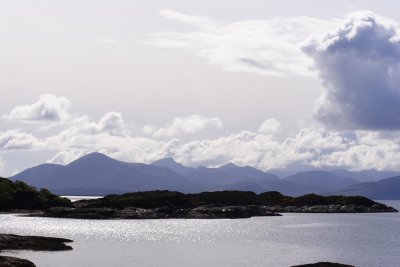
155, 199
18, 195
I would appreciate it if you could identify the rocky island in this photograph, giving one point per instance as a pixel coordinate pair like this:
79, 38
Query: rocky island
36, 243
20, 197
324, 264
211, 205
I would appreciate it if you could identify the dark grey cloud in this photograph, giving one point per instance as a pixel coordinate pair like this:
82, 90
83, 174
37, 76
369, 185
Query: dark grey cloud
359, 64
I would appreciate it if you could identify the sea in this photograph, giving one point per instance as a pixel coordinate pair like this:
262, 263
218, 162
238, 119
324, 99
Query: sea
292, 239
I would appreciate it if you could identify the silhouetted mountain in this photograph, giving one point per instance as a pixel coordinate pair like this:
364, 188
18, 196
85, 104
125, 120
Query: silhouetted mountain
383, 189
173, 166
361, 176
232, 177
38, 176
324, 180
98, 173
247, 171
286, 187
365, 175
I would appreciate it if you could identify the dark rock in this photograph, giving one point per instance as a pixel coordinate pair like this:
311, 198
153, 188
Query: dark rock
202, 212
38, 243
15, 262
323, 264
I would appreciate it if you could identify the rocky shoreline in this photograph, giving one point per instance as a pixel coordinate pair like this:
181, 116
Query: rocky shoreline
36, 243
202, 212
205, 212
324, 264
210, 205
15, 262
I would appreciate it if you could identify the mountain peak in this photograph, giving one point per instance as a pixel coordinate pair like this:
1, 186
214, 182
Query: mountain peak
171, 164
92, 158
230, 165
166, 161
96, 155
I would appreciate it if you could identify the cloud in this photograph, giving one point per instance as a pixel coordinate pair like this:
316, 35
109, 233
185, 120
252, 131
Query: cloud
112, 123
110, 41
262, 148
83, 132
270, 126
308, 147
48, 108
184, 125
2, 165
358, 64
267, 47
369, 151
18, 140
263, 151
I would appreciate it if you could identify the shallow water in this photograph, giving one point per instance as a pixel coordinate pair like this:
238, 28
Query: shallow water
358, 239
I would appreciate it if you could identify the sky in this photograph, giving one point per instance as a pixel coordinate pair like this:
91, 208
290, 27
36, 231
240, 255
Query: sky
274, 85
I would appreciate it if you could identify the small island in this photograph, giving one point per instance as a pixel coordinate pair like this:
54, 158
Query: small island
211, 205
324, 264
22, 198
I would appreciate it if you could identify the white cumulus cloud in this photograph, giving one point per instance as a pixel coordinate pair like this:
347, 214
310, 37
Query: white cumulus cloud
184, 125
48, 108
270, 126
18, 140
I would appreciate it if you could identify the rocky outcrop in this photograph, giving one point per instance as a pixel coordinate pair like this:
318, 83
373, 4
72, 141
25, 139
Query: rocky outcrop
323, 264
37, 243
202, 212
211, 205
15, 262
376, 208
206, 212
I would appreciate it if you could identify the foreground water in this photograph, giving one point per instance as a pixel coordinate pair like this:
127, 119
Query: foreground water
358, 239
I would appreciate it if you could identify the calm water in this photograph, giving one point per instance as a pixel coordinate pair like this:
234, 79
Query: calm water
358, 239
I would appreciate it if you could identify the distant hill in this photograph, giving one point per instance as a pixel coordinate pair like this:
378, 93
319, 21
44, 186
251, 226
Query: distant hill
98, 173
38, 176
322, 179
365, 175
233, 177
247, 171
173, 166
383, 189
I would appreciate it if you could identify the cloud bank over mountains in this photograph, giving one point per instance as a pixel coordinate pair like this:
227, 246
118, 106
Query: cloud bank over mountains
262, 148
357, 60
184, 125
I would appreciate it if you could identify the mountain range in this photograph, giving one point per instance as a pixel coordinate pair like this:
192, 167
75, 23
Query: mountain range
98, 174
